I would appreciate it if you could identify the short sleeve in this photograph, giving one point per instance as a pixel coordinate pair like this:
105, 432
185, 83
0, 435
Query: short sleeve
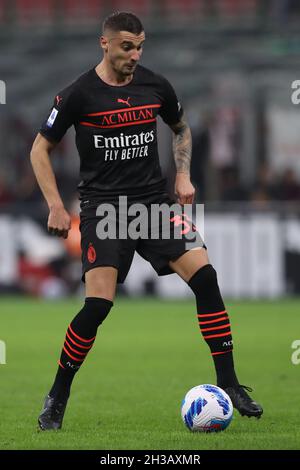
62, 115
171, 110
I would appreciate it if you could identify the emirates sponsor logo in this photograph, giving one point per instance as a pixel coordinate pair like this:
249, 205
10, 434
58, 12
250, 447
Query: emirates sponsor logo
122, 140
124, 147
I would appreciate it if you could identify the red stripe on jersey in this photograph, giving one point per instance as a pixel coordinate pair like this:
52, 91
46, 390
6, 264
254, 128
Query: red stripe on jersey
115, 111
117, 125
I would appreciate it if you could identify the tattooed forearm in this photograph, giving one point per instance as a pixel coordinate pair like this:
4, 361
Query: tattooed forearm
182, 146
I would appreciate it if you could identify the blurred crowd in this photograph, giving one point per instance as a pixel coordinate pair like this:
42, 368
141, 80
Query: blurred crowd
82, 11
218, 163
17, 181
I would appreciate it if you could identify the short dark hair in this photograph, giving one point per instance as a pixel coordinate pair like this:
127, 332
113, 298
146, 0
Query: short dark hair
123, 21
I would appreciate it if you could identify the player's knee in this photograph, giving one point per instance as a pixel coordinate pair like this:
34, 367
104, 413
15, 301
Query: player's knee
100, 286
97, 308
204, 279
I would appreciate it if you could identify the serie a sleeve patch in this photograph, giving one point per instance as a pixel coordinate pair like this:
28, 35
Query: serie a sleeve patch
52, 117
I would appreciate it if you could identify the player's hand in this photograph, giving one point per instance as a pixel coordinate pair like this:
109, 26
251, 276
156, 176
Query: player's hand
59, 222
184, 189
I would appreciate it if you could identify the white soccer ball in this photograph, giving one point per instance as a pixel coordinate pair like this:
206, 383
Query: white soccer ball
206, 408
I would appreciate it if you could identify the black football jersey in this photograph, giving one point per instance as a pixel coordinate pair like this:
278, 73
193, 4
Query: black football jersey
116, 131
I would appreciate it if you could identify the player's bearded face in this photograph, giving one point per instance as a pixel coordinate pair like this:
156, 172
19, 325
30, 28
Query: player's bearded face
124, 51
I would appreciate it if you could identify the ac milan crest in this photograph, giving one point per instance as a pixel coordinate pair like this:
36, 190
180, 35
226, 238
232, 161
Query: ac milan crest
91, 254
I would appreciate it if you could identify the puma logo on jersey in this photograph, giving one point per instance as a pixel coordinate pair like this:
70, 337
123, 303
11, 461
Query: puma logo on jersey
58, 99
120, 100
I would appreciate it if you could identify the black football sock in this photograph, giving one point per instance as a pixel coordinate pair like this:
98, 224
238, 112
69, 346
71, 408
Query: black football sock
79, 339
214, 323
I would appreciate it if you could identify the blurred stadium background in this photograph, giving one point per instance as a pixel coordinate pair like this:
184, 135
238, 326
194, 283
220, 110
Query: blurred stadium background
232, 63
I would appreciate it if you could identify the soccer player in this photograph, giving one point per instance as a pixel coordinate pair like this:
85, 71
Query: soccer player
113, 108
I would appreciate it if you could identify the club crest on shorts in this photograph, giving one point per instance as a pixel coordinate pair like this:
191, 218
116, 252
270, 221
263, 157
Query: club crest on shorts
91, 254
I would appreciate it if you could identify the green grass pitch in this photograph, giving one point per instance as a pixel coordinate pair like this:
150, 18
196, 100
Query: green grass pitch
147, 355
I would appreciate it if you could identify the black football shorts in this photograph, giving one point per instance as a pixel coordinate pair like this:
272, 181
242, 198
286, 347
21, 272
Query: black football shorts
118, 252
